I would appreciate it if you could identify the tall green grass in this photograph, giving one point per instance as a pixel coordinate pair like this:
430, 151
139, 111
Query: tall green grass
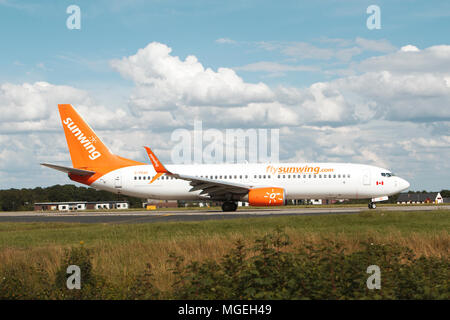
33, 254
27, 235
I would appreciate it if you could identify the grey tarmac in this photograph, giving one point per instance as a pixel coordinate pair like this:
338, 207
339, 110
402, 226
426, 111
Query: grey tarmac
190, 215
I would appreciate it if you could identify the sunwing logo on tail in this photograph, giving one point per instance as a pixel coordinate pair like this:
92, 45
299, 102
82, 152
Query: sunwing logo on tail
87, 143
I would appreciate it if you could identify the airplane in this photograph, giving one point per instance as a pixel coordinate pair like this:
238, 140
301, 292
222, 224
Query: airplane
258, 184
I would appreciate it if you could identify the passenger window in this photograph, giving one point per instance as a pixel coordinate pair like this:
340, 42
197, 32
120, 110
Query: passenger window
320, 176
304, 176
309, 176
240, 177
284, 177
278, 176
334, 176
135, 178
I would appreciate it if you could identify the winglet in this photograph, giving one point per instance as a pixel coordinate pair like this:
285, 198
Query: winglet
159, 168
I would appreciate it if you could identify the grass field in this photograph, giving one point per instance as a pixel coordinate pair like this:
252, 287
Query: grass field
121, 251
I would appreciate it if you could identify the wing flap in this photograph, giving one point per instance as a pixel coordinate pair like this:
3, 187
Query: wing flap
214, 187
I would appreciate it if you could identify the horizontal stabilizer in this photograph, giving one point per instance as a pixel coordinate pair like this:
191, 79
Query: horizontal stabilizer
78, 172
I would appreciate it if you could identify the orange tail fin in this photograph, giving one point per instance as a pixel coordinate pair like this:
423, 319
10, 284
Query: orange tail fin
87, 151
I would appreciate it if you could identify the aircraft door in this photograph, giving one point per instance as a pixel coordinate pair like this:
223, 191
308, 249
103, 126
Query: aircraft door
366, 177
118, 182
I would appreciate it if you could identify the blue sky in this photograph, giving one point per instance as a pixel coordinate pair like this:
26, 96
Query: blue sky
35, 33
288, 51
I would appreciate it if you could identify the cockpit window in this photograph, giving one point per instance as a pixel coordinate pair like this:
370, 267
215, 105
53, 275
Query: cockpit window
387, 174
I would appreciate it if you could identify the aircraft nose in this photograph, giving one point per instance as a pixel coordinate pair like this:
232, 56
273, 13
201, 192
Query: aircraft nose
403, 184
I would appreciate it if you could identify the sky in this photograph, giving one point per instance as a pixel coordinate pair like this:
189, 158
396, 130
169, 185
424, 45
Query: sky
337, 90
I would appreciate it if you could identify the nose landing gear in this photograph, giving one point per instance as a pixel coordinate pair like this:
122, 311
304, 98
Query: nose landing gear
372, 205
229, 206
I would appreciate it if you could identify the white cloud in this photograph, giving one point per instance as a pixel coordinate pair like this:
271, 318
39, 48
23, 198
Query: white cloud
393, 113
268, 66
409, 48
32, 104
342, 50
33, 107
225, 41
409, 59
382, 45
303, 50
164, 81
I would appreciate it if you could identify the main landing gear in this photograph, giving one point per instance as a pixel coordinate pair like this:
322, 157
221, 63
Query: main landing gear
372, 205
229, 206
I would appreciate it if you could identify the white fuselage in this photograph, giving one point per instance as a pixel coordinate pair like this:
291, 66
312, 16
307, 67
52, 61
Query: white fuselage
299, 180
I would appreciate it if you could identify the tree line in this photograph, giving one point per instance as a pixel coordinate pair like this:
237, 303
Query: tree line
24, 199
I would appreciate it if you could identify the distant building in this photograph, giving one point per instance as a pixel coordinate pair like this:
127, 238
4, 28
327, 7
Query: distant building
421, 197
161, 203
80, 205
314, 201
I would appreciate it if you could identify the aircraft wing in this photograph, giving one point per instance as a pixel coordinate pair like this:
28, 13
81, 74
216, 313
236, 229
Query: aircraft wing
78, 172
215, 189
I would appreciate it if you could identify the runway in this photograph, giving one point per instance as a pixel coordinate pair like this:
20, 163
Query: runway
190, 215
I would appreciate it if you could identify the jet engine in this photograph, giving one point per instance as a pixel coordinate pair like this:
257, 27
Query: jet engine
267, 197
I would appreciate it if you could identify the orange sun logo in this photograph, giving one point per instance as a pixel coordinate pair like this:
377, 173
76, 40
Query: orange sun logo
272, 196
